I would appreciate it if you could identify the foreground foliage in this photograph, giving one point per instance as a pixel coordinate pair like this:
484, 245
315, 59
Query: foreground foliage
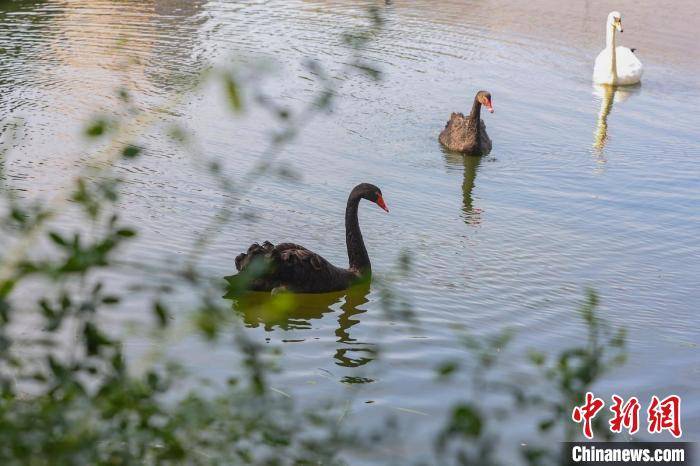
68, 394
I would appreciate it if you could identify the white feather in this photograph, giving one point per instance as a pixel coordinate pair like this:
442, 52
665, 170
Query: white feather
628, 69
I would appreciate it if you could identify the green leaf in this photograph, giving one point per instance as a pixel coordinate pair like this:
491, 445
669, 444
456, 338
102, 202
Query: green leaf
5, 310
178, 134
131, 151
94, 339
19, 215
324, 99
466, 421
58, 239
536, 357
97, 128
207, 323
369, 71
126, 233
161, 313
123, 95
447, 368
6, 287
233, 93
546, 425
110, 300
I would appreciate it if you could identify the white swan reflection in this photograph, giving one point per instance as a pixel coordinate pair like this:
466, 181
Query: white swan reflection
608, 95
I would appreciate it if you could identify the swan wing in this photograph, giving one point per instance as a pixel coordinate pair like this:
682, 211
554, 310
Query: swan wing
602, 71
629, 68
457, 135
485, 141
295, 258
457, 120
288, 265
304, 271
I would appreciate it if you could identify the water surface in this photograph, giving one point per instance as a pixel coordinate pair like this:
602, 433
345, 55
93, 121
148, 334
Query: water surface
582, 189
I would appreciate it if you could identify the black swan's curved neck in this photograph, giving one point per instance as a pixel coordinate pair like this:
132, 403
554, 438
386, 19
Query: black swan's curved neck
475, 114
357, 253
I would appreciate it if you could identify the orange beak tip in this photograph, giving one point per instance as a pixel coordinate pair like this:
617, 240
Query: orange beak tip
382, 204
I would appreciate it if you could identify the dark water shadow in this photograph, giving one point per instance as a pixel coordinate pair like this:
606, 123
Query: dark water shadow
470, 165
297, 311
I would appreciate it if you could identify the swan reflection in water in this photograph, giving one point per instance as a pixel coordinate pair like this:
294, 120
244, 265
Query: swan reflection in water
608, 96
295, 311
470, 164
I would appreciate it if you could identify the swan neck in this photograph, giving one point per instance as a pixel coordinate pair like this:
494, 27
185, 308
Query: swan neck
610, 36
357, 253
475, 115
610, 44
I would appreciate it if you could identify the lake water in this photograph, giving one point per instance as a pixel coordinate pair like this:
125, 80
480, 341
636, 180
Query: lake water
581, 189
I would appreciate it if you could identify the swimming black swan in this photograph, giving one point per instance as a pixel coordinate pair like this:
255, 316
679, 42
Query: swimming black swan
468, 134
294, 268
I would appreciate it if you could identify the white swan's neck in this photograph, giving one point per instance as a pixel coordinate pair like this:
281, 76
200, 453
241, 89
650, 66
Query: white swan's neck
610, 44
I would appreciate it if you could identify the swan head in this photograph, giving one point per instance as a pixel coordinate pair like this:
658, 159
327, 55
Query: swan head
484, 97
371, 193
615, 20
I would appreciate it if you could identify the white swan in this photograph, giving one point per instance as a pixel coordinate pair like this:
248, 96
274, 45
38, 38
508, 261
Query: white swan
616, 65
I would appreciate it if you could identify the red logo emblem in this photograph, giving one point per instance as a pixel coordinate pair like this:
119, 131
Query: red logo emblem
665, 415
625, 415
587, 412
661, 414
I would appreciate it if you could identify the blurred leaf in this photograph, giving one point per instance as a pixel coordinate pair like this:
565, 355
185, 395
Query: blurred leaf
447, 368
536, 357
325, 98
126, 233
161, 313
97, 128
131, 151
94, 339
233, 93
370, 71
178, 134
109, 300
465, 421
6, 287
58, 239
123, 95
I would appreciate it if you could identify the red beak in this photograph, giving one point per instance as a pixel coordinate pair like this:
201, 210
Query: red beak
489, 107
381, 203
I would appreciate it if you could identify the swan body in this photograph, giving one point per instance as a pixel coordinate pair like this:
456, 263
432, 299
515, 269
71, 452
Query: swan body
616, 65
294, 268
467, 134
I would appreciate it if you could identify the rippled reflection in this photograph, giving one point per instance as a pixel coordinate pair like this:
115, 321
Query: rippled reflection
297, 311
472, 215
608, 95
606, 103
355, 353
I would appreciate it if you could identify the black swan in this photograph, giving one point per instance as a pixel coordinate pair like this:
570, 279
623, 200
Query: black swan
468, 134
294, 268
